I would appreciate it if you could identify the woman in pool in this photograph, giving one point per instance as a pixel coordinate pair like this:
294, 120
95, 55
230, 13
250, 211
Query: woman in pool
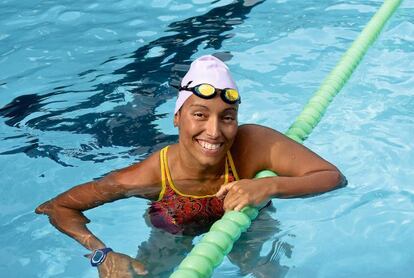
210, 170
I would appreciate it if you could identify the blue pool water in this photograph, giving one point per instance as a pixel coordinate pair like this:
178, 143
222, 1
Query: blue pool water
84, 90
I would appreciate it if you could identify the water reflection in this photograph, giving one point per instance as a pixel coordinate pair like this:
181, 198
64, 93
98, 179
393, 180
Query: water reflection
105, 115
260, 250
162, 250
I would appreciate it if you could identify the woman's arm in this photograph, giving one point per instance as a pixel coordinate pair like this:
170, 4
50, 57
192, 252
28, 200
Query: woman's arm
65, 210
300, 171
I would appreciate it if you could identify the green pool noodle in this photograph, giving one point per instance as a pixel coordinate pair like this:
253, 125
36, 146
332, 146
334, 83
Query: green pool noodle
219, 238
241, 219
227, 226
203, 264
210, 251
185, 272
200, 264
265, 174
303, 126
250, 212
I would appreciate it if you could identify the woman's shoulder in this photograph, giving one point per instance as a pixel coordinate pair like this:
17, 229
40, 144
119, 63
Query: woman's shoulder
253, 147
145, 173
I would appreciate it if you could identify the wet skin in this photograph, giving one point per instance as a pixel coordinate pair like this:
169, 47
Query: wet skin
207, 130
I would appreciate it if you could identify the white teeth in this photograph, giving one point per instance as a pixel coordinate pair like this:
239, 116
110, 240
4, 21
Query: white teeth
209, 146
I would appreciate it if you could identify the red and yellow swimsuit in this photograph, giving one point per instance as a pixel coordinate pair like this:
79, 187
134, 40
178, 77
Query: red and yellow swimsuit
176, 212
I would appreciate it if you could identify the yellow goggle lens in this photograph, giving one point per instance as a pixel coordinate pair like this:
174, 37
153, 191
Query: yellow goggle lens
206, 90
232, 94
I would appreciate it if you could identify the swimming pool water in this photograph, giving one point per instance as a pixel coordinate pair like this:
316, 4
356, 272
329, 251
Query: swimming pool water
84, 90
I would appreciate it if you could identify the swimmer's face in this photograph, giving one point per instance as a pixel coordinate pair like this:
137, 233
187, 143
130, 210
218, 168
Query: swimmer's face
207, 128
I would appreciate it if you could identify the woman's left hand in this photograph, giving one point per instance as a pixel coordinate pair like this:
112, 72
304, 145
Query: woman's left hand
245, 192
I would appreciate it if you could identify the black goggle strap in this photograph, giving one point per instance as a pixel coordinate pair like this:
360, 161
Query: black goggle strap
222, 92
185, 88
195, 90
181, 88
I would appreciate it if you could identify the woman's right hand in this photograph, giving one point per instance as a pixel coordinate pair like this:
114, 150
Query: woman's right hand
117, 265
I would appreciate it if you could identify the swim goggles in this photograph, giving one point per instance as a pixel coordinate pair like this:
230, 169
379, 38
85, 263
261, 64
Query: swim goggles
207, 91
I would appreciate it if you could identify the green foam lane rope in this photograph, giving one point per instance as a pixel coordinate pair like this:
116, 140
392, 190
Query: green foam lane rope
218, 242
333, 83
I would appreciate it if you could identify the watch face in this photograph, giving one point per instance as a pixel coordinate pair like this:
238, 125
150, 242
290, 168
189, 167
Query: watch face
97, 256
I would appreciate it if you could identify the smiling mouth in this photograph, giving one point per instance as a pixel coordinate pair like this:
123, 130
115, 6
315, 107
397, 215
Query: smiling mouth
209, 147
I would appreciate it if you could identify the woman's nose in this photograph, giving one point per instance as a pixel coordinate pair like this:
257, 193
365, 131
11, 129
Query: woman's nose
213, 128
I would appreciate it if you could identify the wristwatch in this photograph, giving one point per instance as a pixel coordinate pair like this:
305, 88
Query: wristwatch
99, 256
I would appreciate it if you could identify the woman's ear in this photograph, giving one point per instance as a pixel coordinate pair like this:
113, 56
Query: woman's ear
177, 119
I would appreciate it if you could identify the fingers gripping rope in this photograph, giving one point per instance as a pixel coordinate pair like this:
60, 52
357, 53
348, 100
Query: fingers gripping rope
218, 242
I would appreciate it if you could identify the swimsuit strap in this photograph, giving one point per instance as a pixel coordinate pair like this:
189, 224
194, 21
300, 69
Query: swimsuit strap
233, 167
166, 175
171, 182
162, 167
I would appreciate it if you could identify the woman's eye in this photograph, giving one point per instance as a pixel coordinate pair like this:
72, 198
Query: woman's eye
228, 118
198, 115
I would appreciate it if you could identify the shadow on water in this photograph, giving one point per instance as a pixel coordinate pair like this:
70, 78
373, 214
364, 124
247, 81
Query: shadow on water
127, 123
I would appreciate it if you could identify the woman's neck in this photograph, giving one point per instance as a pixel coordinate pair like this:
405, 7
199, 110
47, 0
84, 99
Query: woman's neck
187, 167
